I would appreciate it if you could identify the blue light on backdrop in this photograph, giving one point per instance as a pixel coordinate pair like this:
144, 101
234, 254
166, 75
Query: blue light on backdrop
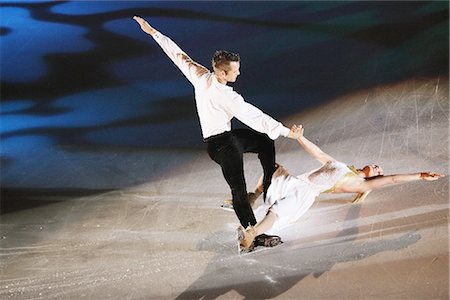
81, 74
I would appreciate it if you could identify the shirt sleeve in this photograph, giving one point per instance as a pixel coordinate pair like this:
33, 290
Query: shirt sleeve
255, 118
191, 69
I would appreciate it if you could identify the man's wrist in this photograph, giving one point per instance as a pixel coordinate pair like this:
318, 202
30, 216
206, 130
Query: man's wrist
286, 132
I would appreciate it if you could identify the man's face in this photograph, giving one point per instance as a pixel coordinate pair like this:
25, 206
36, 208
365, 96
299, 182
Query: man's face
233, 72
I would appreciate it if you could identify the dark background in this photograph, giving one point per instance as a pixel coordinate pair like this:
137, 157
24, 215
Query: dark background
90, 102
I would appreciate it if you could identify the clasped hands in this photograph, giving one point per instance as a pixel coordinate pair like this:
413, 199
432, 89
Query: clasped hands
296, 132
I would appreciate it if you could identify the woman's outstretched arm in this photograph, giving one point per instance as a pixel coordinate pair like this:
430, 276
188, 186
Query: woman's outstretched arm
310, 147
382, 181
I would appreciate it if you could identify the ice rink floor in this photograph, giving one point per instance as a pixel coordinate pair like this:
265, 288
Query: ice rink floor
169, 239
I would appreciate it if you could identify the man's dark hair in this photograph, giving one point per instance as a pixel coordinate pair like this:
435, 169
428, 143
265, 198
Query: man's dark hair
221, 59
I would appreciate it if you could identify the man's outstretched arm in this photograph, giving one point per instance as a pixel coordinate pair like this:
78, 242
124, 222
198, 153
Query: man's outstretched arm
192, 70
256, 119
145, 26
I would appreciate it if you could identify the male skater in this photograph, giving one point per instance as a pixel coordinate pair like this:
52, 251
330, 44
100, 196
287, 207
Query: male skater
217, 104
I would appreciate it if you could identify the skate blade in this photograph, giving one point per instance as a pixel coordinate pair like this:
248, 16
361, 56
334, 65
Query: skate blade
227, 205
227, 208
244, 251
240, 236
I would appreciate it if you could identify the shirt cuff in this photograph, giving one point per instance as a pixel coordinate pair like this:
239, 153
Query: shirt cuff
284, 131
279, 130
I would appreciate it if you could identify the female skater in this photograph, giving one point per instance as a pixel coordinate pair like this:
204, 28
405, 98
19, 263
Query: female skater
289, 197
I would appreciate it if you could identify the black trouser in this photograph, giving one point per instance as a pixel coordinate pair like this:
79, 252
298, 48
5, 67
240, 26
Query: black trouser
227, 150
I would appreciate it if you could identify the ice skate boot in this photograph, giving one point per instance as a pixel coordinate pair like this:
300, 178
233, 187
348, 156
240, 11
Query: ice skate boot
227, 205
267, 240
246, 239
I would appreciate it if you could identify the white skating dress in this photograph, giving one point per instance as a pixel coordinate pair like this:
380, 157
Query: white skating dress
291, 196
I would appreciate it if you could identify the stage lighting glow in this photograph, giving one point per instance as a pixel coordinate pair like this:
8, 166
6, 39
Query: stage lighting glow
15, 106
98, 7
27, 43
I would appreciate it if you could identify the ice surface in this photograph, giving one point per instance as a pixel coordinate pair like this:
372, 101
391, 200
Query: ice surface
168, 238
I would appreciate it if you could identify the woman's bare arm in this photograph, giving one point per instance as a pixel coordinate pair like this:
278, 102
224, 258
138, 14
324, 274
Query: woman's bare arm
310, 147
382, 181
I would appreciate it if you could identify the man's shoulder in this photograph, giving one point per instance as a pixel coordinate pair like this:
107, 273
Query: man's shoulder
204, 81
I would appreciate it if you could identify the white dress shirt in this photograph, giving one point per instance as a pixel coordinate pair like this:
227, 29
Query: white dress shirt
218, 103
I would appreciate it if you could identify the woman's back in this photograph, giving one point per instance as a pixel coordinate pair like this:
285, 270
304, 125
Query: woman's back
326, 176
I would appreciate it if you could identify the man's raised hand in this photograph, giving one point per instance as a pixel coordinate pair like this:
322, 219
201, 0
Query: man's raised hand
144, 25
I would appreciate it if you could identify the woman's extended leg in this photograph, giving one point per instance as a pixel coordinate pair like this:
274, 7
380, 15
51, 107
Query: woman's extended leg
266, 223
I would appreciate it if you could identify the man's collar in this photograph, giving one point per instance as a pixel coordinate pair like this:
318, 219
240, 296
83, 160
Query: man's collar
220, 85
